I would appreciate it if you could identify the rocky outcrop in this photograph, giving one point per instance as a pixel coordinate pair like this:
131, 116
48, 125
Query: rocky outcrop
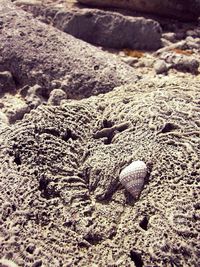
60, 197
110, 29
180, 9
100, 27
36, 53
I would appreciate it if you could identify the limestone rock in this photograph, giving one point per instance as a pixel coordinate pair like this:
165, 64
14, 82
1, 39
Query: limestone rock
184, 10
60, 198
12, 108
34, 95
56, 96
109, 29
160, 67
36, 53
181, 62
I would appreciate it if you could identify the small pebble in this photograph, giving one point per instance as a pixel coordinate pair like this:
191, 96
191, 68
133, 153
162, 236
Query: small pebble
160, 67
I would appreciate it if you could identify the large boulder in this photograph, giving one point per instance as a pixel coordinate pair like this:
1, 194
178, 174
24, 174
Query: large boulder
104, 28
36, 53
181, 9
110, 29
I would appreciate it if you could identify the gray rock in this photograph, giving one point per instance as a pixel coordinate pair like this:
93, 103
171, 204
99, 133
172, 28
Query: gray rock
131, 61
184, 10
160, 67
193, 33
56, 96
17, 113
193, 43
37, 53
34, 96
181, 62
110, 29
6, 82
170, 36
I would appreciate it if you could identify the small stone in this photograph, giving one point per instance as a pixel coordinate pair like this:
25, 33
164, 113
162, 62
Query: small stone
193, 33
160, 67
170, 36
188, 65
181, 62
56, 96
17, 113
34, 90
37, 263
34, 96
192, 43
129, 60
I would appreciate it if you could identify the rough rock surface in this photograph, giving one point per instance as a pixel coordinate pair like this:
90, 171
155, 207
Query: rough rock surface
36, 53
160, 67
181, 62
56, 96
103, 28
185, 10
61, 201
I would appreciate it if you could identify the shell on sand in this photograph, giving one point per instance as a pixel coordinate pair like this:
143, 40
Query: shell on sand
133, 176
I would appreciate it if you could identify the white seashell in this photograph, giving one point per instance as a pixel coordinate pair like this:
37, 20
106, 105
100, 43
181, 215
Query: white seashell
133, 176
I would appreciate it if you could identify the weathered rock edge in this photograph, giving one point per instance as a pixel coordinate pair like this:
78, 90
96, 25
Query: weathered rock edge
36, 53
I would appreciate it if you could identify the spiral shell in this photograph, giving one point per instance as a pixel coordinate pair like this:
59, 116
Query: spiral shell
133, 176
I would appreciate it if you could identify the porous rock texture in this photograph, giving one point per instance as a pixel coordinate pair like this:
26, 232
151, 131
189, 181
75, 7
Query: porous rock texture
110, 29
61, 201
100, 27
36, 53
181, 9
185, 63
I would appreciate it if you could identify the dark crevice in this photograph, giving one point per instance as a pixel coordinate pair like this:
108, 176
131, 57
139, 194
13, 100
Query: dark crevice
37, 263
68, 134
96, 67
136, 258
110, 136
168, 127
107, 123
43, 183
144, 223
17, 159
111, 131
47, 192
16, 80
93, 239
